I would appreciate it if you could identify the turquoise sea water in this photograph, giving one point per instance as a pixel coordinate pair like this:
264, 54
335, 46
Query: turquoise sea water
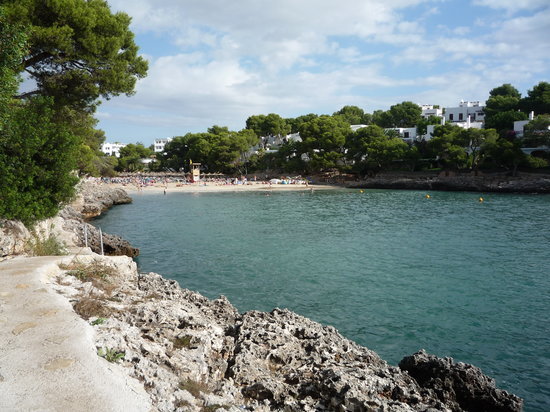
391, 270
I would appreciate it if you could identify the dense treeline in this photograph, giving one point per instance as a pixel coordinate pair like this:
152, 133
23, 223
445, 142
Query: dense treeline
73, 52
327, 141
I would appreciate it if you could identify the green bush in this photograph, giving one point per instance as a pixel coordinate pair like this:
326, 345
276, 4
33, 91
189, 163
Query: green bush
37, 159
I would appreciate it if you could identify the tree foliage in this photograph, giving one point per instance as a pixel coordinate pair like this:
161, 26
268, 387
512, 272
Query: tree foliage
323, 141
501, 109
218, 150
131, 157
37, 157
75, 51
78, 50
405, 114
373, 150
506, 90
353, 115
13, 41
537, 99
537, 132
271, 125
298, 121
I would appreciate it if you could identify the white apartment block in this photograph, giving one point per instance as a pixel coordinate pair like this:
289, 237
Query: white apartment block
428, 110
160, 144
112, 149
459, 114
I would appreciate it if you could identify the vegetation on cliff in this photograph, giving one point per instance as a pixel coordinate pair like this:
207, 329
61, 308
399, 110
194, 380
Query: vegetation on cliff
72, 53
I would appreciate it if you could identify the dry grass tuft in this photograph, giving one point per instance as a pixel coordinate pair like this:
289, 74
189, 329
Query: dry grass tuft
193, 387
95, 272
91, 306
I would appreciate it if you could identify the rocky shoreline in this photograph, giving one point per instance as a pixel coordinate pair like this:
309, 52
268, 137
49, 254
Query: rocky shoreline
196, 354
498, 183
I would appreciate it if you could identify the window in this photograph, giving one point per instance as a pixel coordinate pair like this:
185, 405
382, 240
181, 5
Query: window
460, 116
451, 117
406, 135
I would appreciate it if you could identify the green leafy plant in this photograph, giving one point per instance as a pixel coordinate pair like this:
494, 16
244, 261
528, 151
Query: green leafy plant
110, 354
98, 321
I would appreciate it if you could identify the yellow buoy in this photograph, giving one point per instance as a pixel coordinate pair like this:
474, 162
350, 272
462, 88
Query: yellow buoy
361, 191
428, 196
480, 200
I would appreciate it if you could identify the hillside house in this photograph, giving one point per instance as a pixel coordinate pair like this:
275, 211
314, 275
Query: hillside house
465, 109
159, 144
112, 149
429, 110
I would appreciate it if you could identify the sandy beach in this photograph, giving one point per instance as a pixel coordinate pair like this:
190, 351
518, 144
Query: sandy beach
173, 187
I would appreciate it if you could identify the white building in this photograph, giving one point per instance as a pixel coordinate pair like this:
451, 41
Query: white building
112, 149
460, 114
159, 144
519, 125
408, 134
428, 110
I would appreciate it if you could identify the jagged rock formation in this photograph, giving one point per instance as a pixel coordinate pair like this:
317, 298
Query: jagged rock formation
94, 199
193, 353
459, 385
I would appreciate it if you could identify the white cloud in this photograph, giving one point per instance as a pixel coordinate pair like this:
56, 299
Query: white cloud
512, 5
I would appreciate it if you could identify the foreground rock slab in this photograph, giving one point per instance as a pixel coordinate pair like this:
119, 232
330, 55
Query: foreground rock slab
48, 359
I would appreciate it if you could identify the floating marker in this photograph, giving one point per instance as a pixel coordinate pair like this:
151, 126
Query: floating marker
480, 200
361, 191
428, 196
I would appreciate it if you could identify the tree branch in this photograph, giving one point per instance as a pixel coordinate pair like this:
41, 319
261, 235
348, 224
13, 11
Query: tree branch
31, 61
27, 94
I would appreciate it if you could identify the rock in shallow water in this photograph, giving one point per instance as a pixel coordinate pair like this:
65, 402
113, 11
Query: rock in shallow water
459, 385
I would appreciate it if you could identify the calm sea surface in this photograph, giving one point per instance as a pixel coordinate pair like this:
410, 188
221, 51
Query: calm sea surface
391, 270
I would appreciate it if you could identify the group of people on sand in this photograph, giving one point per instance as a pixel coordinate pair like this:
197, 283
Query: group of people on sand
141, 182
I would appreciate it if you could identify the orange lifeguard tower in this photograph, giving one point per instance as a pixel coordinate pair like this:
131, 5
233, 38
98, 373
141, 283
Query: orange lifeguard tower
195, 171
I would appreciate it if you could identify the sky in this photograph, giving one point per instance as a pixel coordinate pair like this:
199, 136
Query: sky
217, 62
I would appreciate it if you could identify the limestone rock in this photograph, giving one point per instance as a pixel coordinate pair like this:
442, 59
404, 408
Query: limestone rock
93, 199
459, 385
13, 237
